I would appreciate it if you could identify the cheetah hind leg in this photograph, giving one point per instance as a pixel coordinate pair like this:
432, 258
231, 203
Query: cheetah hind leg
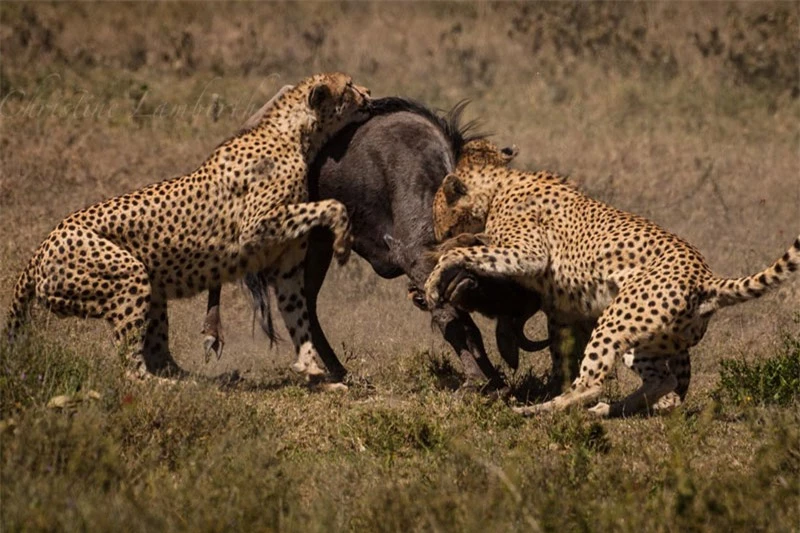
117, 290
656, 393
600, 354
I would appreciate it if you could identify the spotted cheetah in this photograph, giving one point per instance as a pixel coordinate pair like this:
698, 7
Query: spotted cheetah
245, 209
651, 293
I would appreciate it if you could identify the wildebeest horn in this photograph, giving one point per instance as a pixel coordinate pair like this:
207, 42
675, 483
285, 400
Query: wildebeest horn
510, 337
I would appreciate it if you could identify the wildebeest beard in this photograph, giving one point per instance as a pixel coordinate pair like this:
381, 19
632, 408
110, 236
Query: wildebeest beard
386, 171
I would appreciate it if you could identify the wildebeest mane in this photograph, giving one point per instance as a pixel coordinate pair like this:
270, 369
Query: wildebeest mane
449, 123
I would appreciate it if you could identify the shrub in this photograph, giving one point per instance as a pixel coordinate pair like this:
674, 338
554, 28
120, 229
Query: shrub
775, 380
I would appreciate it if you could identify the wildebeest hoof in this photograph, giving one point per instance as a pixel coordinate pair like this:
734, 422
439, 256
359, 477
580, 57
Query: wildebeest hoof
212, 345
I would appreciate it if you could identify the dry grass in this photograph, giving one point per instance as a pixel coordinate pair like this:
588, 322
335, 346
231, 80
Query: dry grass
685, 113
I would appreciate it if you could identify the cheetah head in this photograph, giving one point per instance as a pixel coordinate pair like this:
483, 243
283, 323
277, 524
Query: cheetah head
335, 102
461, 203
455, 210
481, 152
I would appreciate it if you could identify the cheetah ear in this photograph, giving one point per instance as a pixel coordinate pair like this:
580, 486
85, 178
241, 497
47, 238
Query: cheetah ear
453, 188
319, 94
509, 153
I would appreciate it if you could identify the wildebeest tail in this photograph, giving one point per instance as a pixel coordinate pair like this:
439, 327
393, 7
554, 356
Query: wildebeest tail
723, 292
258, 285
24, 292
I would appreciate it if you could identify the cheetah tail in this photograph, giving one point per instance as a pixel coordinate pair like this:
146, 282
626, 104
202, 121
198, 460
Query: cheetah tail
724, 292
24, 291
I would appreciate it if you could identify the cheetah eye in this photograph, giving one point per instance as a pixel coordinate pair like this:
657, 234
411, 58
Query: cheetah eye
510, 152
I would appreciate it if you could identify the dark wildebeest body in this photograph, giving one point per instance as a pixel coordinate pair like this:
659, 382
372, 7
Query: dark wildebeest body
386, 172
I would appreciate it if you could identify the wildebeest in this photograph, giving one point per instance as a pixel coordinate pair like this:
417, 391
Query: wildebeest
386, 171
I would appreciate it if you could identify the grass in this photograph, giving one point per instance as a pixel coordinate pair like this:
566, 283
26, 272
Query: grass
190, 456
771, 381
684, 112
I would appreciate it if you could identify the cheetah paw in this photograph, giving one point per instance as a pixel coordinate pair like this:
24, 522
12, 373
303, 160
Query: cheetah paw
432, 295
529, 410
322, 385
342, 247
308, 368
667, 403
602, 410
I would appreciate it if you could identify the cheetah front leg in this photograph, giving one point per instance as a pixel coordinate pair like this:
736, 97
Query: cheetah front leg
288, 227
492, 261
290, 292
293, 304
286, 223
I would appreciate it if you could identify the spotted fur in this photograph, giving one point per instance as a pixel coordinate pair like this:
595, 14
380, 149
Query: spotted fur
651, 293
245, 209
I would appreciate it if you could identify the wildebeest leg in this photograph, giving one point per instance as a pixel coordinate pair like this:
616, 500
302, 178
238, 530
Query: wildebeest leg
458, 330
464, 336
318, 259
212, 325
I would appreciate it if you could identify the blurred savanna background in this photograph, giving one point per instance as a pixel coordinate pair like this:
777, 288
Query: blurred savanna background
687, 113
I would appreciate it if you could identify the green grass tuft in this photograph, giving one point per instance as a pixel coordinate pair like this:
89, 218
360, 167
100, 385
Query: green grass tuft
35, 369
772, 381
387, 431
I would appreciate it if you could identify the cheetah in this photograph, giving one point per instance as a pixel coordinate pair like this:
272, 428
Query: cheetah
245, 209
650, 292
